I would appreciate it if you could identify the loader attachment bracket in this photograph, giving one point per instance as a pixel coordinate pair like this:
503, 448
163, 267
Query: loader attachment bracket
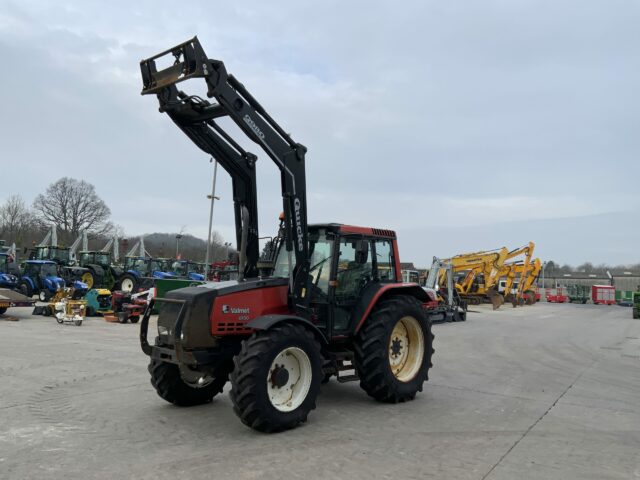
190, 61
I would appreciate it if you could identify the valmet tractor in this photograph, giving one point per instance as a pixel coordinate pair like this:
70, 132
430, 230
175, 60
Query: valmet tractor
40, 277
334, 305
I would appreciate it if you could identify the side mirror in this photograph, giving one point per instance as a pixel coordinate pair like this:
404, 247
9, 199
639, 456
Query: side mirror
362, 251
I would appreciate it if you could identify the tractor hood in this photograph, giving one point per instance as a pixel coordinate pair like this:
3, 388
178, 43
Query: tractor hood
196, 276
7, 280
53, 283
163, 275
207, 305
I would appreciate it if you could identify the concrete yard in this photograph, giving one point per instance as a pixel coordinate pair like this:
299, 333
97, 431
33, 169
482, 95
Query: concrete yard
541, 392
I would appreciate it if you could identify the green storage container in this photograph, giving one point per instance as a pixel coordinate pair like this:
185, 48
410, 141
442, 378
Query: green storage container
624, 296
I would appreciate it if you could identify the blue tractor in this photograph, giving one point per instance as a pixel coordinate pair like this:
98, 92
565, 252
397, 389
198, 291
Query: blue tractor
188, 270
139, 272
40, 277
7, 279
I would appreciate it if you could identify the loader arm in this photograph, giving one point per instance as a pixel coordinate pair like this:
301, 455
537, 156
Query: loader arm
197, 117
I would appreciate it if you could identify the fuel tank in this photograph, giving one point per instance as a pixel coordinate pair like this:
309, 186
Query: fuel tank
220, 309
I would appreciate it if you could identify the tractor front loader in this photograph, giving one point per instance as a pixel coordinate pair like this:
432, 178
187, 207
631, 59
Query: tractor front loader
334, 304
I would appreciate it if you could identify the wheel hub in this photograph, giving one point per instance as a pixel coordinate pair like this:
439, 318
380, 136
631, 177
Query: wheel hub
396, 347
279, 376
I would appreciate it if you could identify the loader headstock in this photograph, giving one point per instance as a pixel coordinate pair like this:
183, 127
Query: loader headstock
189, 61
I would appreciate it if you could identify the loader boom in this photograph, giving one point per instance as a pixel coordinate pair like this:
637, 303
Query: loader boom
197, 117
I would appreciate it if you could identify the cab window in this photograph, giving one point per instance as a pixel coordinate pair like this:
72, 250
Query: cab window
355, 269
385, 261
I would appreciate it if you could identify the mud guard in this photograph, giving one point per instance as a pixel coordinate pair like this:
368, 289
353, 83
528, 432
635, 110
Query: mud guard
267, 321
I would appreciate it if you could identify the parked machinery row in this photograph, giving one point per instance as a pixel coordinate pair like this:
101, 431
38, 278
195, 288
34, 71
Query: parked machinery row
495, 276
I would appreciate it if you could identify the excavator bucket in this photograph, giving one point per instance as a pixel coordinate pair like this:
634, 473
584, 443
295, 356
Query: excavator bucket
189, 61
497, 300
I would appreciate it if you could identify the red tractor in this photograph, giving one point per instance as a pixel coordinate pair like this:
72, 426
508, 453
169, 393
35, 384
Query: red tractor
334, 305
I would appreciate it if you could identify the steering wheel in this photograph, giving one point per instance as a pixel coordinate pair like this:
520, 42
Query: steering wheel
364, 280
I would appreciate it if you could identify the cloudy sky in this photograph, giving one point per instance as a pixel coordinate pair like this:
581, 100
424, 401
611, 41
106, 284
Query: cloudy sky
462, 125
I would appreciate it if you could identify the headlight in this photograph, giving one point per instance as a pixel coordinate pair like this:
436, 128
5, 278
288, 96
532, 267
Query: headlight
163, 330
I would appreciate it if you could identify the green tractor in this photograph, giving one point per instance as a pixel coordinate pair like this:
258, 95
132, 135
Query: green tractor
100, 271
636, 304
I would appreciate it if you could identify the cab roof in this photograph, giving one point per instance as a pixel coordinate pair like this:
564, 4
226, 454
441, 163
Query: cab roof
353, 229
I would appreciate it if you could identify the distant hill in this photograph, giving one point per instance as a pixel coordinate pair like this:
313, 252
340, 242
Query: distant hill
190, 247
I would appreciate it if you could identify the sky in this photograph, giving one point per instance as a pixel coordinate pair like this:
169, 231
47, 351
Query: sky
462, 125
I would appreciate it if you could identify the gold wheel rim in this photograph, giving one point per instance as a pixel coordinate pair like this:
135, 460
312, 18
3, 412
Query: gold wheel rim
406, 349
87, 278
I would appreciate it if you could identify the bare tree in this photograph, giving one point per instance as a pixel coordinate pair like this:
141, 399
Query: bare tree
73, 206
15, 219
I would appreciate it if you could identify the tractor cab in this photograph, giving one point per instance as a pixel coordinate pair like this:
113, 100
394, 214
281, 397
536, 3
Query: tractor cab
7, 279
347, 264
40, 277
161, 268
136, 264
60, 255
137, 269
187, 269
95, 258
222, 271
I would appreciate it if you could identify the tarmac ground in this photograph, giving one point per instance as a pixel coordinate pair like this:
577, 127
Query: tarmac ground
541, 392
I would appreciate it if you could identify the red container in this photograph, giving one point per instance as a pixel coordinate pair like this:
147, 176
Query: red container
603, 294
557, 295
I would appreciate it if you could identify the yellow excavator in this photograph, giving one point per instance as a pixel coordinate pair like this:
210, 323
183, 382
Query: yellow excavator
527, 274
512, 269
478, 274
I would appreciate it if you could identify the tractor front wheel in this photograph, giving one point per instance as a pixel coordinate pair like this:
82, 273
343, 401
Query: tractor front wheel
189, 389
128, 283
25, 289
3, 310
276, 378
393, 350
44, 295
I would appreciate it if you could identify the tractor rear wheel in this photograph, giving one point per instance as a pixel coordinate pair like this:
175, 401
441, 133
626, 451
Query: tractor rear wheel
194, 388
393, 350
276, 378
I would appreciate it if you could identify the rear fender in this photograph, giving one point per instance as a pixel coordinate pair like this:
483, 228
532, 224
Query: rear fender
269, 321
377, 292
